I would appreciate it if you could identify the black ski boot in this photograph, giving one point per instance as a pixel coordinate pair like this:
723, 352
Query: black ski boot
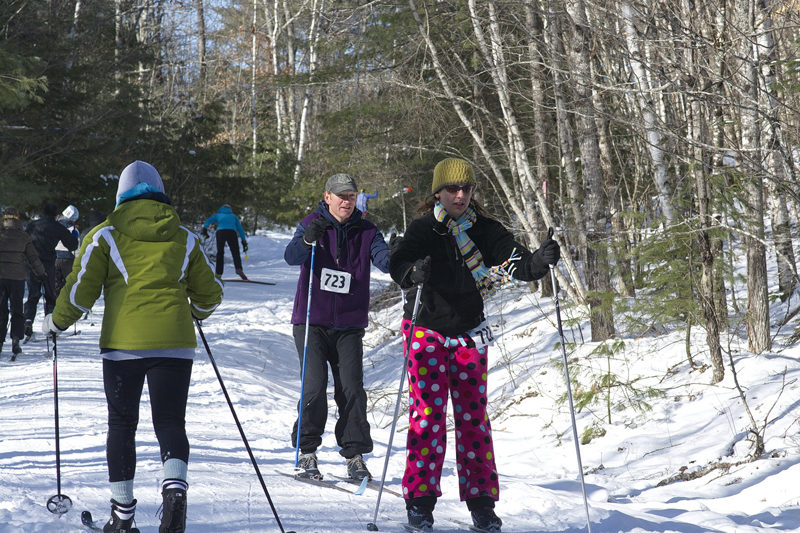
420, 517
28, 330
15, 349
173, 507
357, 468
484, 519
121, 520
307, 463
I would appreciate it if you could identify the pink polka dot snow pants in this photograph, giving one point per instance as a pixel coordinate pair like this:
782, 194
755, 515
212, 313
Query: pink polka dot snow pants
434, 370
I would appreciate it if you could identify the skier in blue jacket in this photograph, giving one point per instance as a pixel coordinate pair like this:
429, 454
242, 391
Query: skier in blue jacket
228, 227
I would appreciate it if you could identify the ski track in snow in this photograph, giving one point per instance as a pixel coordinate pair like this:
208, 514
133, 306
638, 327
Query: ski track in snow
693, 425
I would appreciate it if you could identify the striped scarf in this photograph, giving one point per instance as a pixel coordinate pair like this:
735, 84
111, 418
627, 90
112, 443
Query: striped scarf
488, 280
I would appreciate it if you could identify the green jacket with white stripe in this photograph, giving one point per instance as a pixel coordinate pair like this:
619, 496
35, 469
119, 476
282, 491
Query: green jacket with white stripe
153, 274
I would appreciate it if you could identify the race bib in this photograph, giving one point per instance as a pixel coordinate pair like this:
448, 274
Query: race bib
335, 281
482, 335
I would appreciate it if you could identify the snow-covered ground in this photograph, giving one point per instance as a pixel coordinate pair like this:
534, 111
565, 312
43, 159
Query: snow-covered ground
691, 425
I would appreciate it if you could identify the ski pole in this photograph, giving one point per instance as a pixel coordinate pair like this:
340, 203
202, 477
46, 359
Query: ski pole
569, 390
60, 503
239, 425
373, 526
305, 353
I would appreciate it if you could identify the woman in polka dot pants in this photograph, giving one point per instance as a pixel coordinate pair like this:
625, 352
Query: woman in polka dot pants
437, 366
459, 256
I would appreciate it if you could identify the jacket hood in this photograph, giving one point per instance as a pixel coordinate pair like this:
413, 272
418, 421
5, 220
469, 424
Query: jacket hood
145, 220
225, 209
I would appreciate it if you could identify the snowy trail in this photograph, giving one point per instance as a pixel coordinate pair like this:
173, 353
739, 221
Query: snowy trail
250, 338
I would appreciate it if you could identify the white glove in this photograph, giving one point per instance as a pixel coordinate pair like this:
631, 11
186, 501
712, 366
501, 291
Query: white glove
49, 327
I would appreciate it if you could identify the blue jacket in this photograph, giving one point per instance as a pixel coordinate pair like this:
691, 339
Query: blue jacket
225, 219
361, 200
351, 248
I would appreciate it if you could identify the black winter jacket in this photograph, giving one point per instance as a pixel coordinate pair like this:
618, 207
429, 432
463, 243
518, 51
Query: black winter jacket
451, 303
46, 233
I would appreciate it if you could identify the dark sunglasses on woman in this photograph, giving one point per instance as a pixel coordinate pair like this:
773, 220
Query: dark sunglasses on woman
453, 189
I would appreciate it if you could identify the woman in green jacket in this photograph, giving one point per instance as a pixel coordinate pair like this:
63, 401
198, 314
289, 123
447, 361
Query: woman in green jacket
155, 278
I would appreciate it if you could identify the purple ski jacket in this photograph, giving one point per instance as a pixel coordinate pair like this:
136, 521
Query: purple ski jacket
349, 248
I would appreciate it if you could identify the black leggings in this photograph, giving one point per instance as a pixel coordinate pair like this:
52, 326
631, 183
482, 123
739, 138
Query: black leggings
229, 237
168, 382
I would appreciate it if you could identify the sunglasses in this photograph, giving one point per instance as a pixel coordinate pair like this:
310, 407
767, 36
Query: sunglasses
453, 189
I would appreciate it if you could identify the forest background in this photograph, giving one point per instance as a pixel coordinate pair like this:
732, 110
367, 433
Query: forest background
658, 138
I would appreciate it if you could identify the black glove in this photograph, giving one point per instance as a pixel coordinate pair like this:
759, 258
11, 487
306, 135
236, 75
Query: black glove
205, 233
421, 271
550, 252
244, 245
315, 229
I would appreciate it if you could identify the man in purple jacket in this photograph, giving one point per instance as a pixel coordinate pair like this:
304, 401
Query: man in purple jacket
346, 245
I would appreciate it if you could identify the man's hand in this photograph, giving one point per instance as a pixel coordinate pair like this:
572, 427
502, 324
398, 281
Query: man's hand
315, 230
244, 246
49, 327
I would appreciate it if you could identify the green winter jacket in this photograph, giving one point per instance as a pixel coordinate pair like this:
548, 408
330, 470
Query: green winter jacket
153, 274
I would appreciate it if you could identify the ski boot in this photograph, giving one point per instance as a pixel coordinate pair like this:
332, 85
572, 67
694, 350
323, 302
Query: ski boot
173, 507
15, 349
357, 468
484, 519
121, 520
307, 463
240, 272
420, 517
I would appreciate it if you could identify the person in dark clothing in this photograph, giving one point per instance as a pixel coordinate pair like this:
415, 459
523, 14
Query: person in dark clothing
95, 218
228, 228
45, 233
16, 247
345, 246
460, 256
64, 257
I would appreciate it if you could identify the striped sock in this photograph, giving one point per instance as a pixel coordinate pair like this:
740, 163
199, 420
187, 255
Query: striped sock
173, 483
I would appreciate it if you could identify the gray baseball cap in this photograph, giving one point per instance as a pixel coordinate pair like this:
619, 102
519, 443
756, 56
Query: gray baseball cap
339, 183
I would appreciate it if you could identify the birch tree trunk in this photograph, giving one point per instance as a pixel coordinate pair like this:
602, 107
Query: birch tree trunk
117, 46
776, 158
201, 47
701, 168
253, 69
698, 133
73, 31
311, 65
597, 265
644, 98
541, 120
758, 334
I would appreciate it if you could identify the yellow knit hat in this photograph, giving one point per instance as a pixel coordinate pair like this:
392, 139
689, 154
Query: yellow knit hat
452, 171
